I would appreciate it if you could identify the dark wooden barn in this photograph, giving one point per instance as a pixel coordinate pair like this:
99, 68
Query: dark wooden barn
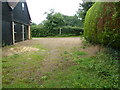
15, 22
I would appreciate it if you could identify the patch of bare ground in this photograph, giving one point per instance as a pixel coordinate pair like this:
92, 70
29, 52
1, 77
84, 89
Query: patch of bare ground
57, 46
92, 50
18, 50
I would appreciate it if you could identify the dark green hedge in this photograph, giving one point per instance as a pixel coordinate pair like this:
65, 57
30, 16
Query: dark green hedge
102, 24
69, 30
41, 31
38, 31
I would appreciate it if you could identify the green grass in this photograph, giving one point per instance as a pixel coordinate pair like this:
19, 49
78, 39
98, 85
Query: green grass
58, 36
79, 53
19, 70
100, 71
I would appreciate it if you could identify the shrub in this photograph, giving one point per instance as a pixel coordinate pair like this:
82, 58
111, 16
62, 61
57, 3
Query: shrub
102, 24
38, 31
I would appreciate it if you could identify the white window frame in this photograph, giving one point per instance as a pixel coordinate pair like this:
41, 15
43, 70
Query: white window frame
23, 6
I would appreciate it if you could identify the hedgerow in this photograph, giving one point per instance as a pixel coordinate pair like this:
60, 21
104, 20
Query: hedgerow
42, 31
102, 24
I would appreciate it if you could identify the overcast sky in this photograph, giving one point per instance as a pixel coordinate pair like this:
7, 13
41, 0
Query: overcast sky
37, 8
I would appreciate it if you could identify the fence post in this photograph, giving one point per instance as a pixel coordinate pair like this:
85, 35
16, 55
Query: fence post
60, 32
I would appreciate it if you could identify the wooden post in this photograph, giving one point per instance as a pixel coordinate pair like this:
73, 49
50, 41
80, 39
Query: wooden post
23, 33
28, 32
60, 31
13, 32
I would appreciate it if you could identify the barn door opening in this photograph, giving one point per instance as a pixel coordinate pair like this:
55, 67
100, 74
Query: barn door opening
17, 32
25, 32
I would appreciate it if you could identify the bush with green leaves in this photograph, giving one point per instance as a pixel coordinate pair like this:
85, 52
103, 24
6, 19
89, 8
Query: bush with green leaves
102, 24
38, 31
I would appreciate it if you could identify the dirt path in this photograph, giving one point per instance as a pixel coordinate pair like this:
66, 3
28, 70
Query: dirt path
55, 47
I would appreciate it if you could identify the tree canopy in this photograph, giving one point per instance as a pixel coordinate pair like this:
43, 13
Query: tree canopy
57, 23
83, 8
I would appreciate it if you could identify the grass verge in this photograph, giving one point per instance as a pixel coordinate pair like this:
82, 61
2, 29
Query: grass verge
58, 36
100, 71
22, 70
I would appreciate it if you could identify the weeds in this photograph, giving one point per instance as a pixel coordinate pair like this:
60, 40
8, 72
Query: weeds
100, 71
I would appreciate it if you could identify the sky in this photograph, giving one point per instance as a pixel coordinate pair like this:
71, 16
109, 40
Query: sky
37, 8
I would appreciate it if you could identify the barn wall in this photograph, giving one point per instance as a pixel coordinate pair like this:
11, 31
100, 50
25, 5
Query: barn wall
6, 25
20, 15
0, 24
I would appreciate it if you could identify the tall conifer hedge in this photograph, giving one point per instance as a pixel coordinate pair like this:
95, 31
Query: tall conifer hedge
102, 24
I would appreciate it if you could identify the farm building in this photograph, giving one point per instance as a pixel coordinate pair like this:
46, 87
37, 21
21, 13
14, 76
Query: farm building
15, 22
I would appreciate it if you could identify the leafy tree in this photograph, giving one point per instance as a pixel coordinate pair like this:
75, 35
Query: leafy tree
53, 20
83, 8
57, 24
33, 23
72, 21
